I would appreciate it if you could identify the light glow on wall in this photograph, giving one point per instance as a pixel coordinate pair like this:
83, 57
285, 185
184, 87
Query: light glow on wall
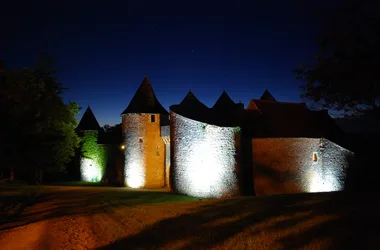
204, 158
90, 171
204, 171
134, 165
135, 176
332, 175
303, 165
320, 183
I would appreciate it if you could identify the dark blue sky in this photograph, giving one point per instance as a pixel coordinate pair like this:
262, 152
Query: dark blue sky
105, 48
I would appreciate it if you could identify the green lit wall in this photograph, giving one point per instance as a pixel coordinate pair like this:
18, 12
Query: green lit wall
93, 157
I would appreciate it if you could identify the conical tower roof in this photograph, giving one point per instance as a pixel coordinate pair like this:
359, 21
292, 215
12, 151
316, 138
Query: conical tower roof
192, 108
192, 102
267, 96
88, 121
145, 101
224, 102
226, 112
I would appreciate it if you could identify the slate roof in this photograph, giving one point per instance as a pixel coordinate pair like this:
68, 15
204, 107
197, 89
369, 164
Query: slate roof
287, 119
88, 121
281, 119
267, 96
225, 112
145, 101
192, 102
224, 102
192, 108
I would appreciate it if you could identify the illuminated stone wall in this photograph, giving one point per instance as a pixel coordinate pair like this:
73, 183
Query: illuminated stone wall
335, 160
167, 165
288, 165
165, 135
144, 151
93, 157
90, 170
204, 158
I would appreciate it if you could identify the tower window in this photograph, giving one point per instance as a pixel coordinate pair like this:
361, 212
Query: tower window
140, 139
315, 157
152, 118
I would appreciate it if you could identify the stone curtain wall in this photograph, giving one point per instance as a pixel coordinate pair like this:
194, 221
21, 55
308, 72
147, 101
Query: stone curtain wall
287, 165
281, 165
165, 135
144, 151
336, 161
167, 165
204, 160
165, 131
114, 165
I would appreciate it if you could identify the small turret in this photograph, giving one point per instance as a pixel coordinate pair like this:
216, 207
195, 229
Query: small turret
226, 112
145, 101
92, 157
224, 102
267, 96
88, 121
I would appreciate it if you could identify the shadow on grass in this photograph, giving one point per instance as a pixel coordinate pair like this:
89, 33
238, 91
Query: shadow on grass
345, 222
79, 183
62, 201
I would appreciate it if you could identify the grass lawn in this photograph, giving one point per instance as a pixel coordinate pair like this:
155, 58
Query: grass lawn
297, 221
108, 194
75, 197
79, 183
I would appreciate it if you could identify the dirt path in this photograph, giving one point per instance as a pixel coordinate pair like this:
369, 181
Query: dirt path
83, 218
118, 218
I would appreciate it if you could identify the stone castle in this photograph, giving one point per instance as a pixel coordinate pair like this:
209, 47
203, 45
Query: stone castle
270, 147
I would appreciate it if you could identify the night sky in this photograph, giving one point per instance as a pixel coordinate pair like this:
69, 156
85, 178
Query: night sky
105, 48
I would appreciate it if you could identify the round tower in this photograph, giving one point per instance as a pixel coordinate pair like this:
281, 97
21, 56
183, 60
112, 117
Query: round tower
144, 149
205, 149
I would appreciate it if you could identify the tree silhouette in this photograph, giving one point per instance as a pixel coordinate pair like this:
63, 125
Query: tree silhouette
38, 133
344, 74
